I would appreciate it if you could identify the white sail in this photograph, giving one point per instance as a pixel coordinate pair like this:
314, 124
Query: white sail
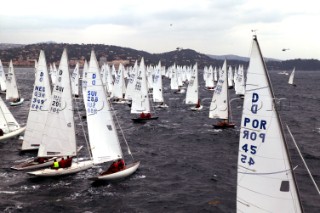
12, 88
230, 77
219, 107
3, 85
265, 179
174, 78
53, 74
192, 95
103, 138
157, 85
7, 122
75, 80
59, 136
107, 78
240, 82
291, 77
140, 98
209, 78
131, 82
40, 104
119, 87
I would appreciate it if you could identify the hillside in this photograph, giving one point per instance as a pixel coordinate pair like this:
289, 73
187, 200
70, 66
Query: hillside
24, 55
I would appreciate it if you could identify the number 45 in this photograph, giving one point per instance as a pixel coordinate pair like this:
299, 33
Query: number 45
244, 159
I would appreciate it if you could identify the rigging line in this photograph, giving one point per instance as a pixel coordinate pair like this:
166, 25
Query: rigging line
305, 164
122, 133
84, 133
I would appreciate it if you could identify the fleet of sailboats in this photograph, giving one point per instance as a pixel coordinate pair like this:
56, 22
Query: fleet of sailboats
265, 176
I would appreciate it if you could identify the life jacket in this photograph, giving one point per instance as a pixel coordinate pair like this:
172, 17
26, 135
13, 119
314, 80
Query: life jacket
56, 165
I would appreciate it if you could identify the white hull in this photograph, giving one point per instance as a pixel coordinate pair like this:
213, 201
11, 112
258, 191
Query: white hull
196, 109
119, 102
161, 106
30, 164
17, 103
129, 170
75, 167
12, 134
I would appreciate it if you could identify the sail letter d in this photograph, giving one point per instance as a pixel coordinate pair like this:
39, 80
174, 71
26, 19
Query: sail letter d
254, 107
255, 97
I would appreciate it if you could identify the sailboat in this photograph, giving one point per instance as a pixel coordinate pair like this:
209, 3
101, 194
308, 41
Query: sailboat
192, 96
12, 93
39, 107
75, 81
219, 107
157, 92
59, 138
9, 127
119, 87
3, 86
140, 99
103, 137
291, 77
37, 117
266, 181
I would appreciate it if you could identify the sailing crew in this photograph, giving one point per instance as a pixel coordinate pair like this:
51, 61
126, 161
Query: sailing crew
62, 163
68, 161
55, 164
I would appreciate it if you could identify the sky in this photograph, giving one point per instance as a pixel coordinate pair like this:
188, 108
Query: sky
216, 27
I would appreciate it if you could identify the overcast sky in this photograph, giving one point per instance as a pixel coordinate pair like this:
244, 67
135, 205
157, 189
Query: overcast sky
215, 27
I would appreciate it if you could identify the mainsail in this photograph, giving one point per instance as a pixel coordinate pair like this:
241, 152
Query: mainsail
265, 177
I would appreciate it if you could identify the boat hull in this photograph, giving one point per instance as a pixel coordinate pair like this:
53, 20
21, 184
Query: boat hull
129, 170
142, 120
75, 167
17, 103
30, 164
196, 108
225, 126
12, 134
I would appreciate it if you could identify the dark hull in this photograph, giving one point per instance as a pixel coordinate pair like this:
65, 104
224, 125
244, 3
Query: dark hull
142, 120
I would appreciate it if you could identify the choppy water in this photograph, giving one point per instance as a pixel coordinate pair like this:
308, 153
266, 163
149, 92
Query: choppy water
186, 166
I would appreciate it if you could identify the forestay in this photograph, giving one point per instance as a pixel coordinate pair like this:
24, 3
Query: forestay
59, 137
265, 177
103, 138
39, 106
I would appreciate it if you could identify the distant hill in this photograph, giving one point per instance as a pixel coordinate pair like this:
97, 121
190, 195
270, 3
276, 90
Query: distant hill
229, 57
4, 46
24, 55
